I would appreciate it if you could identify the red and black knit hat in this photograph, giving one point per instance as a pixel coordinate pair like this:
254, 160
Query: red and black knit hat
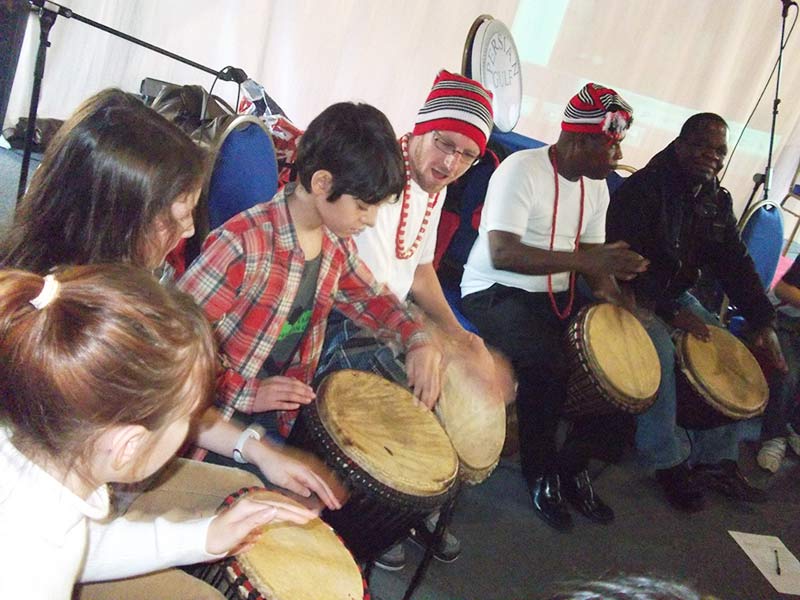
458, 104
597, 109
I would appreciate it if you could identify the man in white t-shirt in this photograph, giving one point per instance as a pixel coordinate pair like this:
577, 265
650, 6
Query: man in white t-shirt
449, 136
543, 223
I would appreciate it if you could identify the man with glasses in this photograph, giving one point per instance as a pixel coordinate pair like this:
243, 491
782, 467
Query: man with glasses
543, 222
449, 136
675, 214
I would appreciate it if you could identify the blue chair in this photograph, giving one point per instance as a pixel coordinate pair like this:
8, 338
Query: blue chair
245, 170
615, 179
762, 232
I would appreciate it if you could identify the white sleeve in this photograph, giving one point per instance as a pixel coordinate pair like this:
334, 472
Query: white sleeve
509, 197
34, 568
123, 548
595, 232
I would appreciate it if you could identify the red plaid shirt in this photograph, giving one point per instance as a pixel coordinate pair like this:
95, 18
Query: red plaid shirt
246, 279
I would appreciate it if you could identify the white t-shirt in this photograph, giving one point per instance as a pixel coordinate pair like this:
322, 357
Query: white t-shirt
51, 538
376, 245
520, 200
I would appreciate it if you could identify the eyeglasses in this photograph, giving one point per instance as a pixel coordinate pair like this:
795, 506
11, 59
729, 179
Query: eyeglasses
449, 148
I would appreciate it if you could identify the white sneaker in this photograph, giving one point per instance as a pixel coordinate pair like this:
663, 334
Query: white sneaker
771, 454
794, 440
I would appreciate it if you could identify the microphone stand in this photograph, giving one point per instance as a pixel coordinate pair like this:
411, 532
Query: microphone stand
767, 177
48, 11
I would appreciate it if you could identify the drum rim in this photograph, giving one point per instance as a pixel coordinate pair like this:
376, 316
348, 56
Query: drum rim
408, 488
681, 353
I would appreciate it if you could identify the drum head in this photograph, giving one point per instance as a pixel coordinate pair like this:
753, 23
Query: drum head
490, 57
377, 424
474, 420
726, 373
308, 562
621, 352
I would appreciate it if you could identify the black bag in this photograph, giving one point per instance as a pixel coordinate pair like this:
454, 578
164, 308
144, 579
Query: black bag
42, 134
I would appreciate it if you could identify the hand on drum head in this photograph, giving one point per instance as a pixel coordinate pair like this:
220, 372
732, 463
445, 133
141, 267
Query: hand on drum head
282, 393
424, 372
296, 471
686, 320
237, 528
612, 259
766, 341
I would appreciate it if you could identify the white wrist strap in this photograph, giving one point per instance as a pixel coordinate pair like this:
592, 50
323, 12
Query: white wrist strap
250, 432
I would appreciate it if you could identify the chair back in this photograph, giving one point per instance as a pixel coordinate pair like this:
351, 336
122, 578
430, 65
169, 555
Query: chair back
762, 233
616, 179
245, 170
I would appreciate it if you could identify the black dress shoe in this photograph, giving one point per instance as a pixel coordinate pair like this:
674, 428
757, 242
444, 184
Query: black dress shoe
579, 492
679, 488
726, 478
548, 503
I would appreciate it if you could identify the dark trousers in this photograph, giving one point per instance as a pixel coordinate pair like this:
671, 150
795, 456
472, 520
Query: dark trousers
523, 326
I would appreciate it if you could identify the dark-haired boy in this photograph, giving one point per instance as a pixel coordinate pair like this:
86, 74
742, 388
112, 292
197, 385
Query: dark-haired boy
269, 277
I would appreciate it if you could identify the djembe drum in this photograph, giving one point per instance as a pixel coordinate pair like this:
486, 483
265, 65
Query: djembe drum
391, 453
718, 381
288, 562
613, 363
474, 417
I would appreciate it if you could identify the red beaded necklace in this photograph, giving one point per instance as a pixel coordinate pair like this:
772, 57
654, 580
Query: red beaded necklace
400, 252
562, 315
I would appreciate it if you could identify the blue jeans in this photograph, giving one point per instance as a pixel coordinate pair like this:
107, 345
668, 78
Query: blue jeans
347, 346
783, 407
660, 442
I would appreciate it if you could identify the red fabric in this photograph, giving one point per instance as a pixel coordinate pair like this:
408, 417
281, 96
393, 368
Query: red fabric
177, 259
448, 225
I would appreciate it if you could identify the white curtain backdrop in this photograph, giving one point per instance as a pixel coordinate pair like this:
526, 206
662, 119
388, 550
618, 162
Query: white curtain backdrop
668, 58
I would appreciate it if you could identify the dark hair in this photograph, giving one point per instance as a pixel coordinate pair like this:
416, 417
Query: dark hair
111, 171
357, 145
112, 347
697, 122
627, 587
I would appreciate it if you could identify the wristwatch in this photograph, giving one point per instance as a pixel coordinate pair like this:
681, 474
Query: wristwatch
253, 431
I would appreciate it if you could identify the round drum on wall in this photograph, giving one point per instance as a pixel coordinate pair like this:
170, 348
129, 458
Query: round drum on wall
490, 57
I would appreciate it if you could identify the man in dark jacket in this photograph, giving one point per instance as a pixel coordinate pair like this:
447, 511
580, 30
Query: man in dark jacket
674, 213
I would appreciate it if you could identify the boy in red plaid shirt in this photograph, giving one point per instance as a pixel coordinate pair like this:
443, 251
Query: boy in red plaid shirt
269, 277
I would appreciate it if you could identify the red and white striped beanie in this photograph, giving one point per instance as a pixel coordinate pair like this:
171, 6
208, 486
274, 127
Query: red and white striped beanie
457, 103
597, 109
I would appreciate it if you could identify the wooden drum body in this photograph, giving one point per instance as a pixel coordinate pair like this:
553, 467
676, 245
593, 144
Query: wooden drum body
288, 562
392, 454
613, 363
718, 381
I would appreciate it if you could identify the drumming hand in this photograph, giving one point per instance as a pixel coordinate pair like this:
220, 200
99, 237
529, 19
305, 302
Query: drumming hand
282, 393
290, 472
423, 368
612, 259
237, 528
767, 340
686, 320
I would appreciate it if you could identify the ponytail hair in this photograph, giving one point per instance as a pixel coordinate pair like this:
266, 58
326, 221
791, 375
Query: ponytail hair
109, 347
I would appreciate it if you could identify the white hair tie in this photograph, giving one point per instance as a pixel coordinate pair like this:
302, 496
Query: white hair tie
48, 293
